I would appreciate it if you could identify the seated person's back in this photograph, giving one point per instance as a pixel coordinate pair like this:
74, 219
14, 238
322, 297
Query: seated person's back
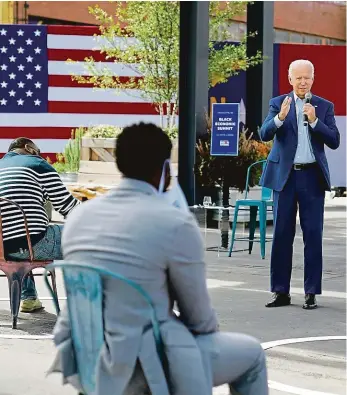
134, 231
29, 181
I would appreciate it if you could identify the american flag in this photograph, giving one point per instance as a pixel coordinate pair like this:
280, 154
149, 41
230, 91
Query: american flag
38, 98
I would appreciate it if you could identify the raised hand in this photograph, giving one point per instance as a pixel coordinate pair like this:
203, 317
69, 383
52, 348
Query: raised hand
285, 107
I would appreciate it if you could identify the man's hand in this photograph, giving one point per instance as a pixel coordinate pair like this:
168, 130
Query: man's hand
310, 111
285, 107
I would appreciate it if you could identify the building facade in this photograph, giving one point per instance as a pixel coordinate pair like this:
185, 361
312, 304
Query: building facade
309, 22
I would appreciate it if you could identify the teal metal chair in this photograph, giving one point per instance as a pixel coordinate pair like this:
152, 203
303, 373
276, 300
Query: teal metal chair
254, 205
84, 290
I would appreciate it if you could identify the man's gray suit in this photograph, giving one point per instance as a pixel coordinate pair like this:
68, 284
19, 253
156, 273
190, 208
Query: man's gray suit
134, 232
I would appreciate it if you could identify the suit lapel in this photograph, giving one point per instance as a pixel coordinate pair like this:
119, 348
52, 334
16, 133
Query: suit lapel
292, 113
314, 102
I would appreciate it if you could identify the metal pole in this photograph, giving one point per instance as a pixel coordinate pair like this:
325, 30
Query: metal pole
193, 87
259, 79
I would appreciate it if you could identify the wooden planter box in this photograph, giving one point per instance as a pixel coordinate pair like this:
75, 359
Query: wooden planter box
100, 149
98, 161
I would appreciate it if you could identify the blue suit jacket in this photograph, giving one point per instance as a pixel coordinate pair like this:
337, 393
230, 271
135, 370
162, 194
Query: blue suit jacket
281, 157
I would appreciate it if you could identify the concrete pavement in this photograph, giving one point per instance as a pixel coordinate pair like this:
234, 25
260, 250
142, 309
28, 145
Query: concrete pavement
238, 287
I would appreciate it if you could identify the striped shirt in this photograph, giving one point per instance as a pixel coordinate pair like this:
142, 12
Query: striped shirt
30, 181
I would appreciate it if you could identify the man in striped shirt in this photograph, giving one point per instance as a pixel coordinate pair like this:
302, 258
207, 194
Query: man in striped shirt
28, 180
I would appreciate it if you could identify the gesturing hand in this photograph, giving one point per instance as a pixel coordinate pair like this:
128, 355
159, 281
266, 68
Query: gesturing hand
285, 107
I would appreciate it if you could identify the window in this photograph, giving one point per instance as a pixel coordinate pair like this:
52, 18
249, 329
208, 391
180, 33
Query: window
295, 37
309, 39
281, 36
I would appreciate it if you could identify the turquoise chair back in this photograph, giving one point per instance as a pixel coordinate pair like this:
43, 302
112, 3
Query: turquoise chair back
266, 193
84, 288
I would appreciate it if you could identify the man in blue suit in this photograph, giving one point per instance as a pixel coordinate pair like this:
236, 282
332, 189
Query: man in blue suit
297, 171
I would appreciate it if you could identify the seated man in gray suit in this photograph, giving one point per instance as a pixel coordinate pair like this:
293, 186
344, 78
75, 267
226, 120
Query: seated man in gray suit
134, 231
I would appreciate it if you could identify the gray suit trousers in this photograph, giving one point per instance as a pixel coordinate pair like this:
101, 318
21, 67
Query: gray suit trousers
237, 360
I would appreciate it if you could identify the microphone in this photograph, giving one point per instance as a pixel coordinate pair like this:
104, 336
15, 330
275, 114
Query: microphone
308, 97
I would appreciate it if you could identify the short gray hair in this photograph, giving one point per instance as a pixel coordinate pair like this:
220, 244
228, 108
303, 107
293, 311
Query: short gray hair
300, 62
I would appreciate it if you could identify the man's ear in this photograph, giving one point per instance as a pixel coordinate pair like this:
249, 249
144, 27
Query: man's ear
29, 149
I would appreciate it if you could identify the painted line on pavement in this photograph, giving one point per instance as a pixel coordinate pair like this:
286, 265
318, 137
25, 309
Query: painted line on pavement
294, 390
27, 337
215, 283
288, 389
276, 343
300, 291
235, 285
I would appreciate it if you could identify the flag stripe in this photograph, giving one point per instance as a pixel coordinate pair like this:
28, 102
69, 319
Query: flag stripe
76, 54
66, 81
66, 107
46, 145
73, 30
35, 132
74, 120
84, 42
120, 69
95, 95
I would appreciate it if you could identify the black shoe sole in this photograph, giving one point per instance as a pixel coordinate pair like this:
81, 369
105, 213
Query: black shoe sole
271, 304
309, 307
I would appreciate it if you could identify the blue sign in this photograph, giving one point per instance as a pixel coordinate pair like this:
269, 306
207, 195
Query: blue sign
225, 129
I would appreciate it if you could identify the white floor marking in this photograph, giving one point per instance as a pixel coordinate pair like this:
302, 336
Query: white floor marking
276, 343
223, 390
295, 390
300, 291
26, 337
213, 283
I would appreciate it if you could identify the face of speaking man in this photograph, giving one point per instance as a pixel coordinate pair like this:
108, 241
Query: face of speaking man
301, 79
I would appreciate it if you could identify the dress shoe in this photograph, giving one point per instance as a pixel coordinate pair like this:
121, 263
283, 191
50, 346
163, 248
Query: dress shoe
310, 302
279, 300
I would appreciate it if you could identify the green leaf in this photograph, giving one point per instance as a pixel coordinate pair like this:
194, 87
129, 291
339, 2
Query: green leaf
145, 37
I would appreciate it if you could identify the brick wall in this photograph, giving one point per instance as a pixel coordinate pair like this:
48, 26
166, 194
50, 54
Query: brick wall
320, 18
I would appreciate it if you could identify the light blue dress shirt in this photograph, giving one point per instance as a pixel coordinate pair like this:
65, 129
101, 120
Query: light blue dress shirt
304, 153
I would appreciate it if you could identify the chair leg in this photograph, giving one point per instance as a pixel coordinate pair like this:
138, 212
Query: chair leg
31, 275
15, 290
233, 229
54, 287
262, 226
253, 210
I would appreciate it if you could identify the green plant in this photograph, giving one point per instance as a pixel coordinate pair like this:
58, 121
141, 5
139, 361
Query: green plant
72, 151
229, 170
103, 131
59, 165
172, 133
144, 36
